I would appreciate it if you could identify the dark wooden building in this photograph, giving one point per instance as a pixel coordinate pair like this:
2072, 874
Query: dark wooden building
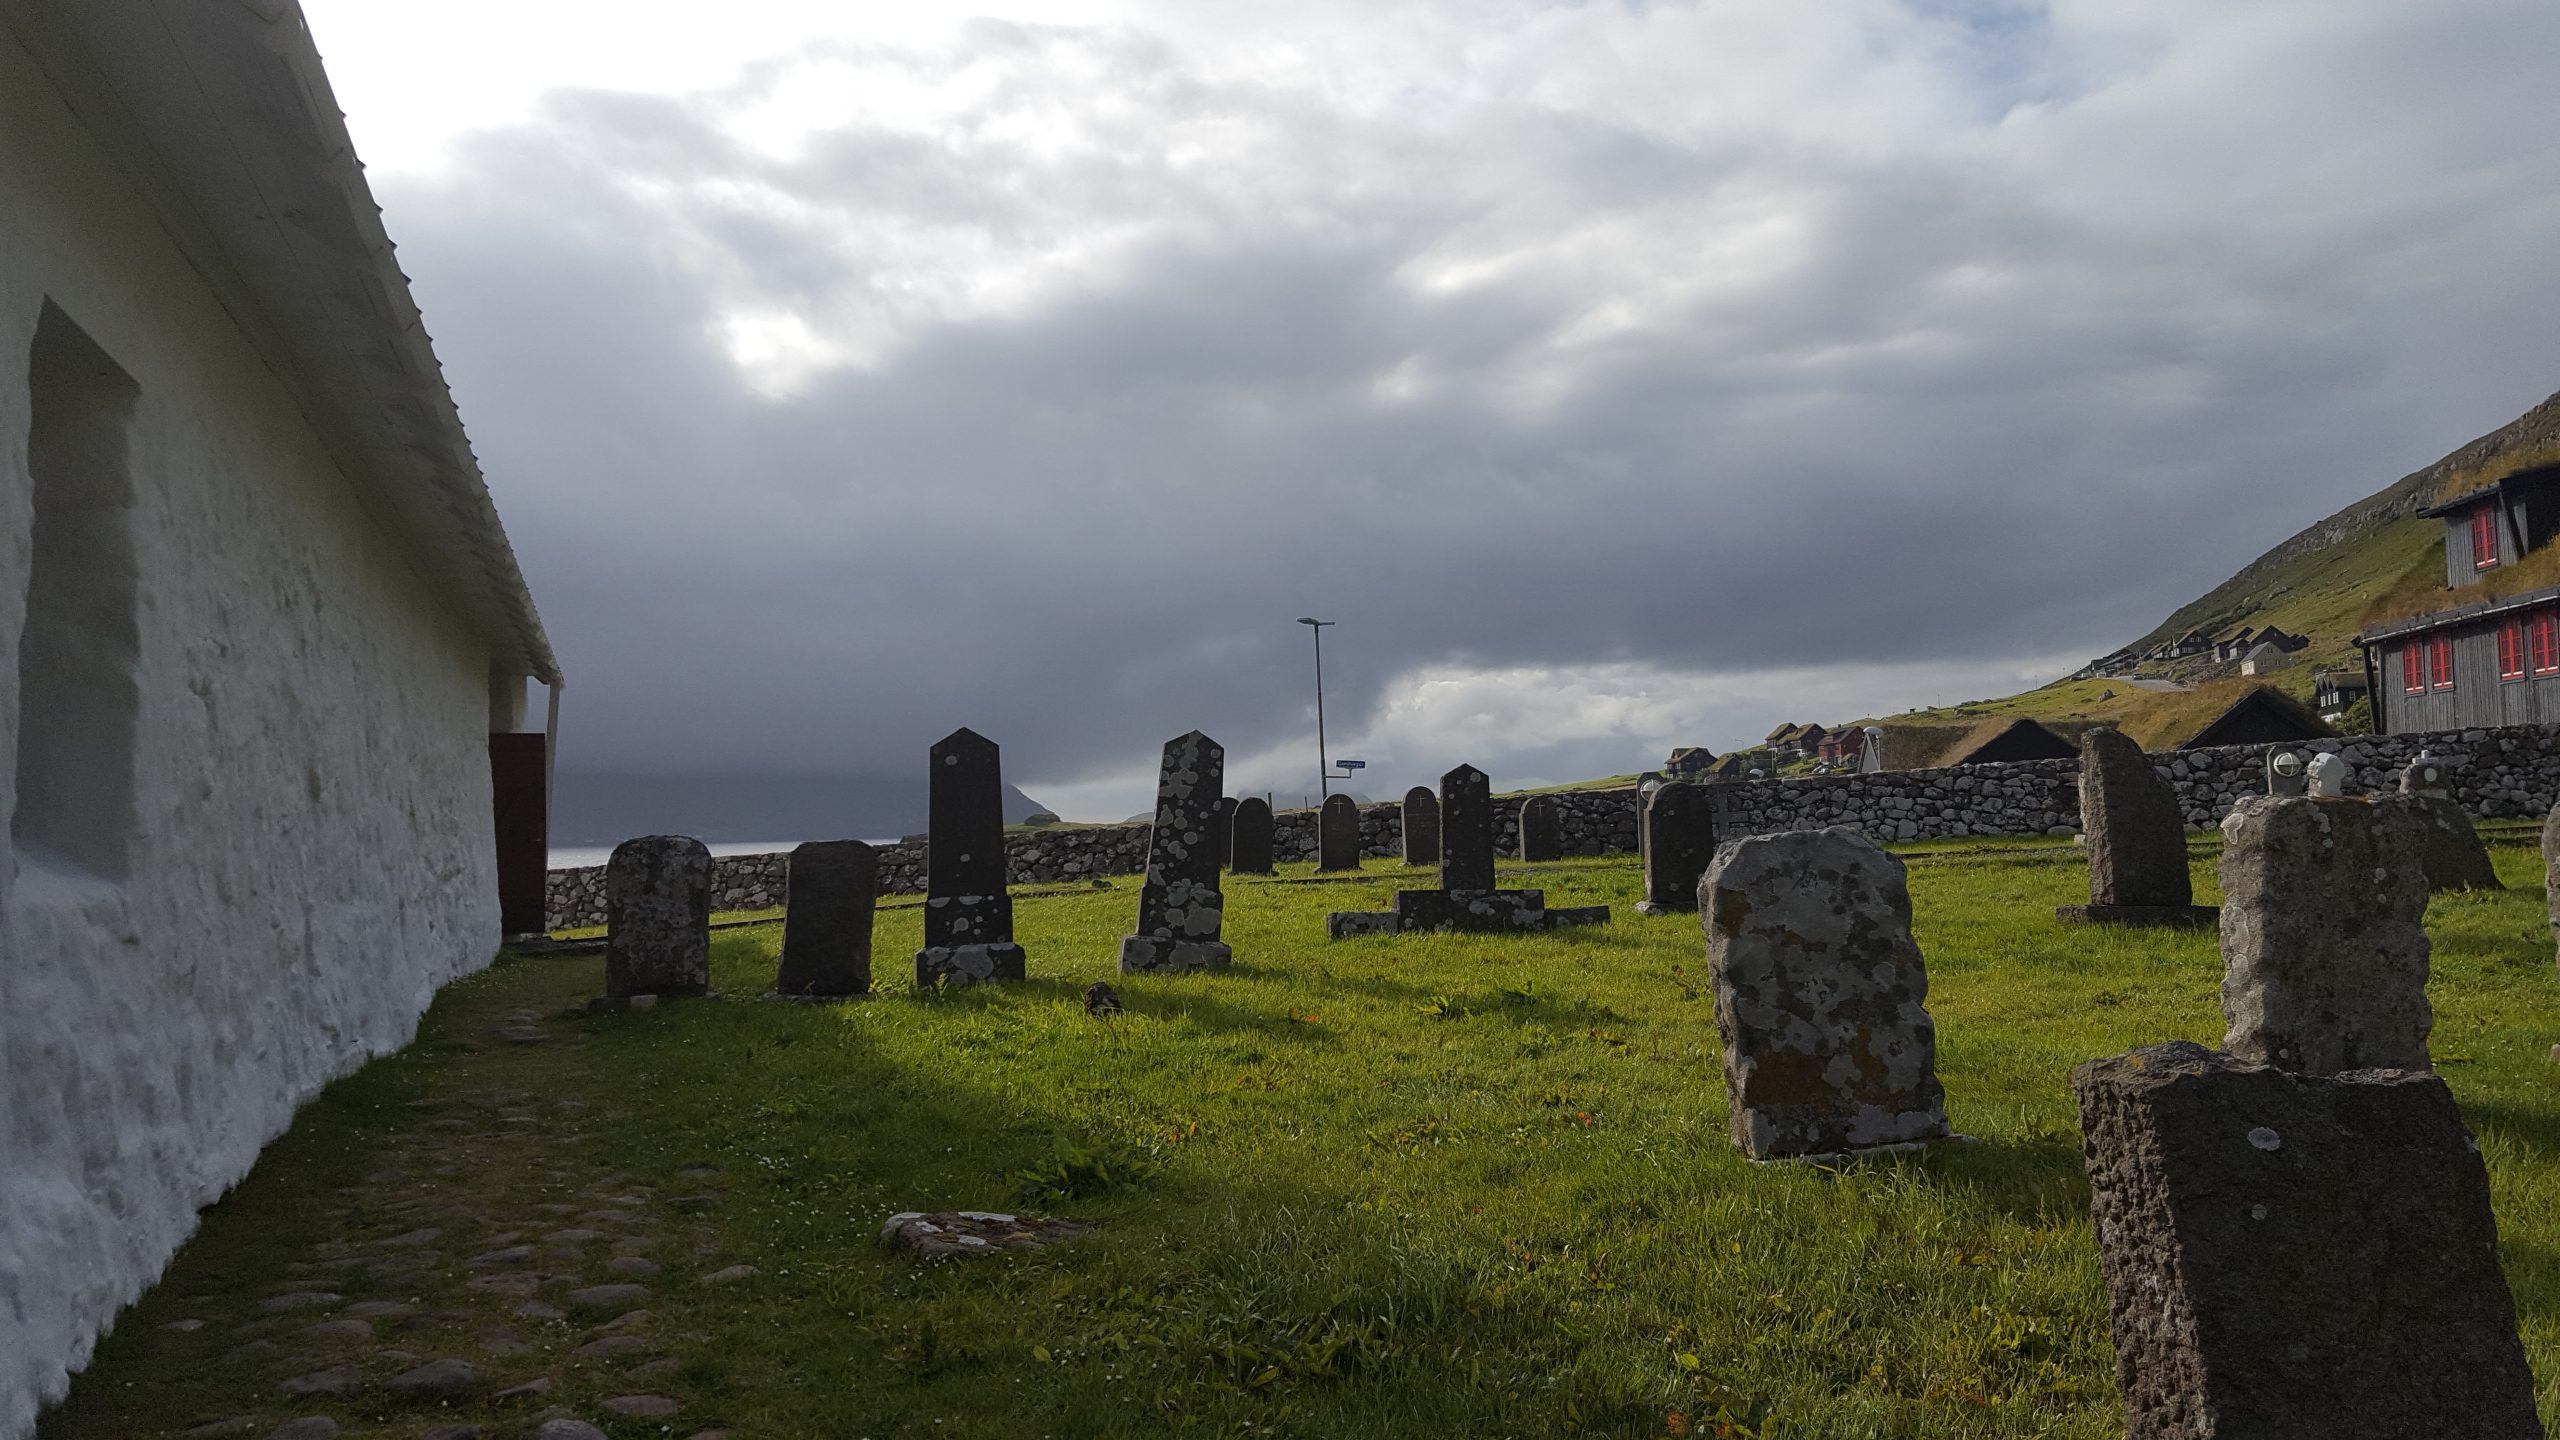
2494, 663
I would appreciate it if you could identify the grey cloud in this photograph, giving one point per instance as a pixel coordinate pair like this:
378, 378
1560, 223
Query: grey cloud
1958, 413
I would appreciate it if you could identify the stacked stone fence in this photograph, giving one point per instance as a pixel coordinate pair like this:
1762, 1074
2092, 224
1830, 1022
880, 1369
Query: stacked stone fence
2505, 772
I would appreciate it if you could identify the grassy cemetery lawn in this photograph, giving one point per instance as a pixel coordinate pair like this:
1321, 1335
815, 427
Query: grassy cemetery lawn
1432, 1186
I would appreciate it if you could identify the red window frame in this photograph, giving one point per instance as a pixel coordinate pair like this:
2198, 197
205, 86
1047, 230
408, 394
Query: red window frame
2440, 662
2484, 537
2413, 668
2543, 642
2511, 649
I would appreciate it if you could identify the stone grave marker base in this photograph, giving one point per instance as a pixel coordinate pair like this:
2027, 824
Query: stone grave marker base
2197, 917
1150, 952
968, 965
1476, 912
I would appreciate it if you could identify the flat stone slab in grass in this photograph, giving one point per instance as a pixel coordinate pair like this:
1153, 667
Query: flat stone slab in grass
435, 1380
976, 1232
608, 1297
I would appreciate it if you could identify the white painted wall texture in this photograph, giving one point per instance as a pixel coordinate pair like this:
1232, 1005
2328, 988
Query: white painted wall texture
311, 851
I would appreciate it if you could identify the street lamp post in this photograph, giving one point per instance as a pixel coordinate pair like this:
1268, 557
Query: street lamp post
1324, 765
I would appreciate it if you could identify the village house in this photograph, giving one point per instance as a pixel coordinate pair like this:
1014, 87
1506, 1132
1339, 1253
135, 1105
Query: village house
2334, 692
2496, 659
264, 647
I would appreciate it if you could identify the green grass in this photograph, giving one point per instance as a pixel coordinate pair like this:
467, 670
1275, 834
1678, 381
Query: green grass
1429, 1186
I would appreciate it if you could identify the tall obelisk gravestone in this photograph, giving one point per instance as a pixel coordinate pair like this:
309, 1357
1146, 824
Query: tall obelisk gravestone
968, 917
1180, 908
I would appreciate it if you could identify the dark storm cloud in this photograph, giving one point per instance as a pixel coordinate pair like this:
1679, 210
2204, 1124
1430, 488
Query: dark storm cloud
1064, 399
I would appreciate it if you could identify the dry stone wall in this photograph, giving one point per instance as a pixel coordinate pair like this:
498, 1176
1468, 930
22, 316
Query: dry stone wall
2506, 772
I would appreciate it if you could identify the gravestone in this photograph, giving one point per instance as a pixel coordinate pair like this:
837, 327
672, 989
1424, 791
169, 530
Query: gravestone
1421, 827
2323, 953
2551, 877
657, 903
2327, 775
2294, 1257
826, 927
2286, 774
1676, 836
1251, 840
1338, 834
968, 916
1541, 828
1466, 899
2137, 839
1820, 996
1180, 909
1466, 830
1225, 829
2453, 855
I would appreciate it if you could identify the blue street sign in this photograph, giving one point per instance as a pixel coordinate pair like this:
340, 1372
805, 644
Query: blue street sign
1352, 764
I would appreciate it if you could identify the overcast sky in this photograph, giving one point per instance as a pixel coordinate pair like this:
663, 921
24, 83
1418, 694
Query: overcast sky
1617, 375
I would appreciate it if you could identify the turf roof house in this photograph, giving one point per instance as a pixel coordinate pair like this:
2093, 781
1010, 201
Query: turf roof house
2495, 660
258, 624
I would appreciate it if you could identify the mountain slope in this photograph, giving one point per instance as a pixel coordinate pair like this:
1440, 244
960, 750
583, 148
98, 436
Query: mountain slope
2371, 560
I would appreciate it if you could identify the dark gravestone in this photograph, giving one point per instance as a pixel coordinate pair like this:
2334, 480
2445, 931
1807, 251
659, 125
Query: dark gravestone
1180, 908
657, 902
2291, 1257
1226, 832
1421, 827
1677, 839
2137, 839
1541, 828
1820, 997
968, 917
1251, 842
1338, 834
826, 931
2451, 851
1466, 899
1466, 830
2324, 953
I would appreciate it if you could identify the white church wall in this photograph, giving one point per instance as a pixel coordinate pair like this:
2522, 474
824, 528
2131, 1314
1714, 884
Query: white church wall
308, 853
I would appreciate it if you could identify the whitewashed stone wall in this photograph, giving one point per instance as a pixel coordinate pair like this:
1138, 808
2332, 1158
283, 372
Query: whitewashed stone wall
312, 855
2513, 771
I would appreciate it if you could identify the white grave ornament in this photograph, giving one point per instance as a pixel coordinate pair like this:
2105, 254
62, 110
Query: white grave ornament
2328, 775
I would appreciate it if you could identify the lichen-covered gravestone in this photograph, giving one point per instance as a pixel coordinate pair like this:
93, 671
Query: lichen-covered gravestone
2324, 954
1676, 837
2137, 839
2551, 874
1541, 828
1338, 834
1421, 827
1820, 997
832, 888
2450, 845
1251, 843
657, 897
1180, 908
968, 916
2291, 1257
